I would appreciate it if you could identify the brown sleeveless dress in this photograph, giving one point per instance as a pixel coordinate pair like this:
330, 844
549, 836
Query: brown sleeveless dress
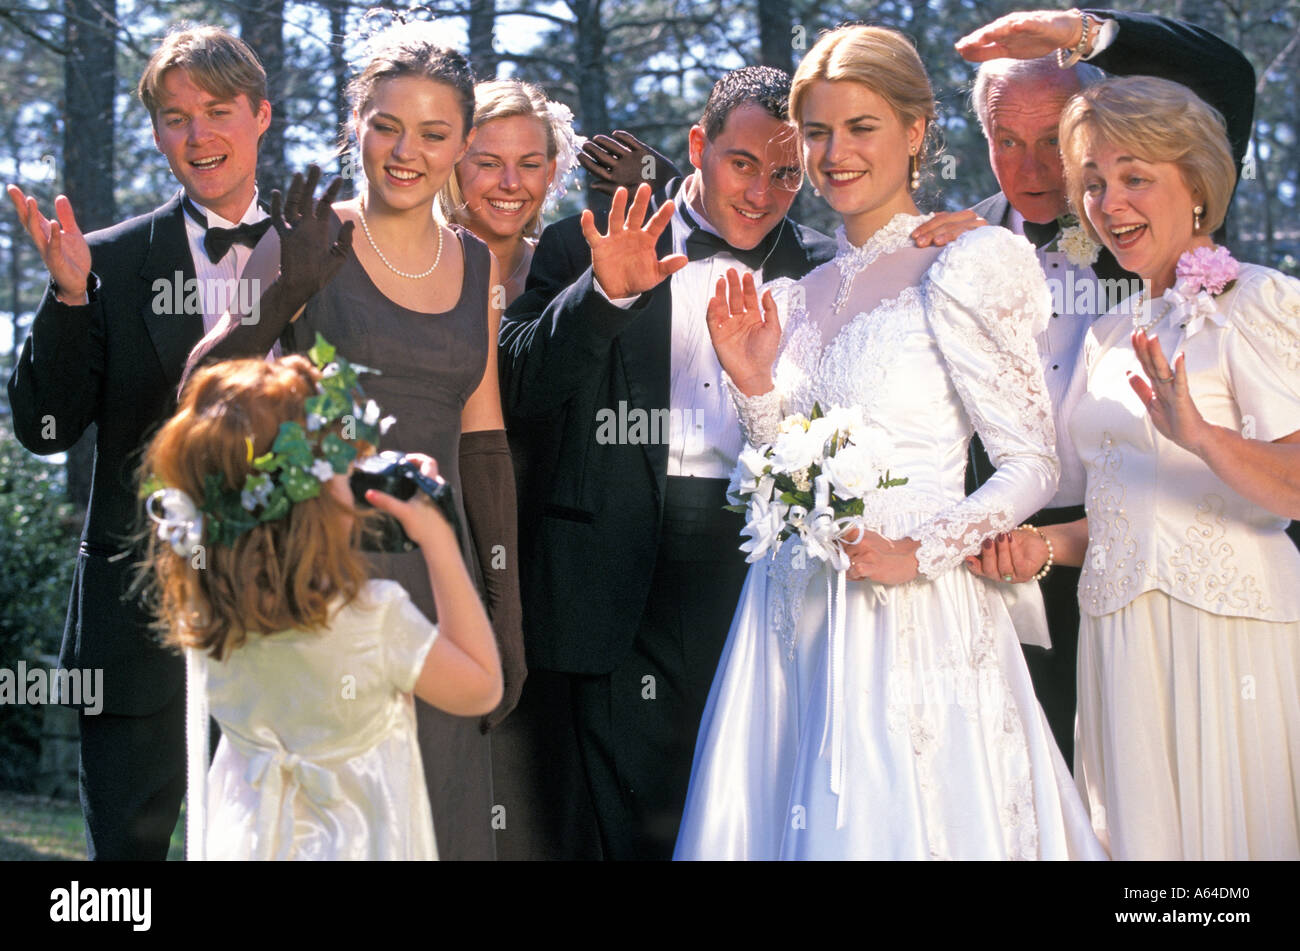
428, 366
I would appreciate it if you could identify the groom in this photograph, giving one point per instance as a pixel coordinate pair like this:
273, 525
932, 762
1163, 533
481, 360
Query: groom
107, 346
632, 570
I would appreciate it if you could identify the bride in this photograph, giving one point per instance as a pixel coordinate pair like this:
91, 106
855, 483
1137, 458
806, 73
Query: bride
891, 717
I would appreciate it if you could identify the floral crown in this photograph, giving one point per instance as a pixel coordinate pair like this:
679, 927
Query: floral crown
300, 461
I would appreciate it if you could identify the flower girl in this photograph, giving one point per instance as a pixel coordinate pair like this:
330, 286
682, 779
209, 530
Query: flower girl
307, 665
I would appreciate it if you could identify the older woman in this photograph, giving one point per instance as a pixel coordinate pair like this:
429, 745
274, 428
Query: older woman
1189, 651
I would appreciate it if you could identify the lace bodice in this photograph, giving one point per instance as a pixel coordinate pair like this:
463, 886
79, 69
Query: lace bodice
930, 343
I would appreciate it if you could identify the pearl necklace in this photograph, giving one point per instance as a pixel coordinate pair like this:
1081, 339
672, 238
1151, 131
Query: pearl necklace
414, 277
1142, 318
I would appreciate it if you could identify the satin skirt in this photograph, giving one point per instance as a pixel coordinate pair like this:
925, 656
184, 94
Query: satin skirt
1188, 742
910, 732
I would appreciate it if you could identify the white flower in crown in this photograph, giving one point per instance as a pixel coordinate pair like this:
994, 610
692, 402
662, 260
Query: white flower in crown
1079, 249
322, 470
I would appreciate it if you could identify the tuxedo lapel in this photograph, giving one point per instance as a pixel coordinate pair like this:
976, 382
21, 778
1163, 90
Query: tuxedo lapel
645, 348
995, 209
789, 256
173, 330
1108, 269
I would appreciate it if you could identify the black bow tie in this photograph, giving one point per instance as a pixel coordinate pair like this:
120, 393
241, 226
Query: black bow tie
218, 241
1042, 235
702, 244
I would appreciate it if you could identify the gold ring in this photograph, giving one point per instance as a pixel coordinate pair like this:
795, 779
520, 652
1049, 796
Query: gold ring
1164, 379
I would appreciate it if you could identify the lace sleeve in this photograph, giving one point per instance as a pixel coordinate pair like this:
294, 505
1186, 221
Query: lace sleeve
761, 415
987, 299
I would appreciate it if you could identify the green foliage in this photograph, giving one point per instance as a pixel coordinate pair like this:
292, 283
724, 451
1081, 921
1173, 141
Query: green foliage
38, 545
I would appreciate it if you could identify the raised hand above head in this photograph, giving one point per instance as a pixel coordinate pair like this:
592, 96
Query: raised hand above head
624, 260
624, 160
1026, 35
308, 258
59, 242
745, 335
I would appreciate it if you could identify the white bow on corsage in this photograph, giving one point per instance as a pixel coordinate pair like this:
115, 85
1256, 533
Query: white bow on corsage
1201, 275
1190, 305
180, 524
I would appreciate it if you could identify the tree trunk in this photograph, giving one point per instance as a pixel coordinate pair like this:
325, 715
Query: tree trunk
775, 34
482, 34
261, 26
17, 241
339, 72
90, 78
589, 46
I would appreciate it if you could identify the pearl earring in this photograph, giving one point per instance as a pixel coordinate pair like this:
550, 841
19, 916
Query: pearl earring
1196, 218
915, 167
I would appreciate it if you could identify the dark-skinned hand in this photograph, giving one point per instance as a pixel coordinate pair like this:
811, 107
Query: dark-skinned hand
624, 160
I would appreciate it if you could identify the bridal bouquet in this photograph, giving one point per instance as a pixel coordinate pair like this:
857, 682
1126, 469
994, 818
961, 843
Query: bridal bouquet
811, 482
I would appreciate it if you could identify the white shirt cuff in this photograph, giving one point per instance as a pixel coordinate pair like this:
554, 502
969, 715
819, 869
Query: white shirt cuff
622, 303
1107, 30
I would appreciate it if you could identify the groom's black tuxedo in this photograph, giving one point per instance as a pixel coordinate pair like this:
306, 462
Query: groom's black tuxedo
630, 577
591, 516
116, 362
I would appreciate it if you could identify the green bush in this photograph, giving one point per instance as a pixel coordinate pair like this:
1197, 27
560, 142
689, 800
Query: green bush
39, 531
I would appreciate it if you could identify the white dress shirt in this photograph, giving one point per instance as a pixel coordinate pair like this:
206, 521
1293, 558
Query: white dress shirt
705, 438
1074, 308
217, 282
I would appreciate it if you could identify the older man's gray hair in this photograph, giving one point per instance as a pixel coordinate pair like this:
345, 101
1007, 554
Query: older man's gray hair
1043, 71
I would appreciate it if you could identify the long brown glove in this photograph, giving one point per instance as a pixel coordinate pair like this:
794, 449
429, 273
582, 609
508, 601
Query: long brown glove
487, 478
309, 259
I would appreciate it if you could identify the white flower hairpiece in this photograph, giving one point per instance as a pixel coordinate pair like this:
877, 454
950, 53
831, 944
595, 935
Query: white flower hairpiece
567, 146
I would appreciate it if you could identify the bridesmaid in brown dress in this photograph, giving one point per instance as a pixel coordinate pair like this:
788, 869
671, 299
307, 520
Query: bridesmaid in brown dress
415, 303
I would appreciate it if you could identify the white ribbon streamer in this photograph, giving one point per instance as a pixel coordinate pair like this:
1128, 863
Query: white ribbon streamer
196, 755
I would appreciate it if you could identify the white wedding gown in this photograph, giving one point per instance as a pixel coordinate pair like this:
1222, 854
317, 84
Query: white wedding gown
909, 729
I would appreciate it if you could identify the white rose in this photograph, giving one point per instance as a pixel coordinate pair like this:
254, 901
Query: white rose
822, 429
853, 472
796, 449
846, 418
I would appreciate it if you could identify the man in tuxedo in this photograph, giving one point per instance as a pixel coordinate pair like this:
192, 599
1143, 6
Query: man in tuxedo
631, 570
1019, 94
124, 307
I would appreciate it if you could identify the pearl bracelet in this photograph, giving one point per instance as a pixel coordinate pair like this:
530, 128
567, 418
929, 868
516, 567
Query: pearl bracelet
1047, 565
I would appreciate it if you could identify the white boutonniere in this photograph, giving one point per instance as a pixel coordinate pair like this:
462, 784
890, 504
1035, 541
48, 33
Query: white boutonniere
1079, 249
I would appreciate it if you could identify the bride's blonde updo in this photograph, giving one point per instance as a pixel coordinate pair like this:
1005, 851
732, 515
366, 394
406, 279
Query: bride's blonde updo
883, 60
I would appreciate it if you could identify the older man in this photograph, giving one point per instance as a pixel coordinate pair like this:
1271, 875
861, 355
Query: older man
1031, 64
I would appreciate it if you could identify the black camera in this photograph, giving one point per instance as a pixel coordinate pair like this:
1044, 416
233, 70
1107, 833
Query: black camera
393, 474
